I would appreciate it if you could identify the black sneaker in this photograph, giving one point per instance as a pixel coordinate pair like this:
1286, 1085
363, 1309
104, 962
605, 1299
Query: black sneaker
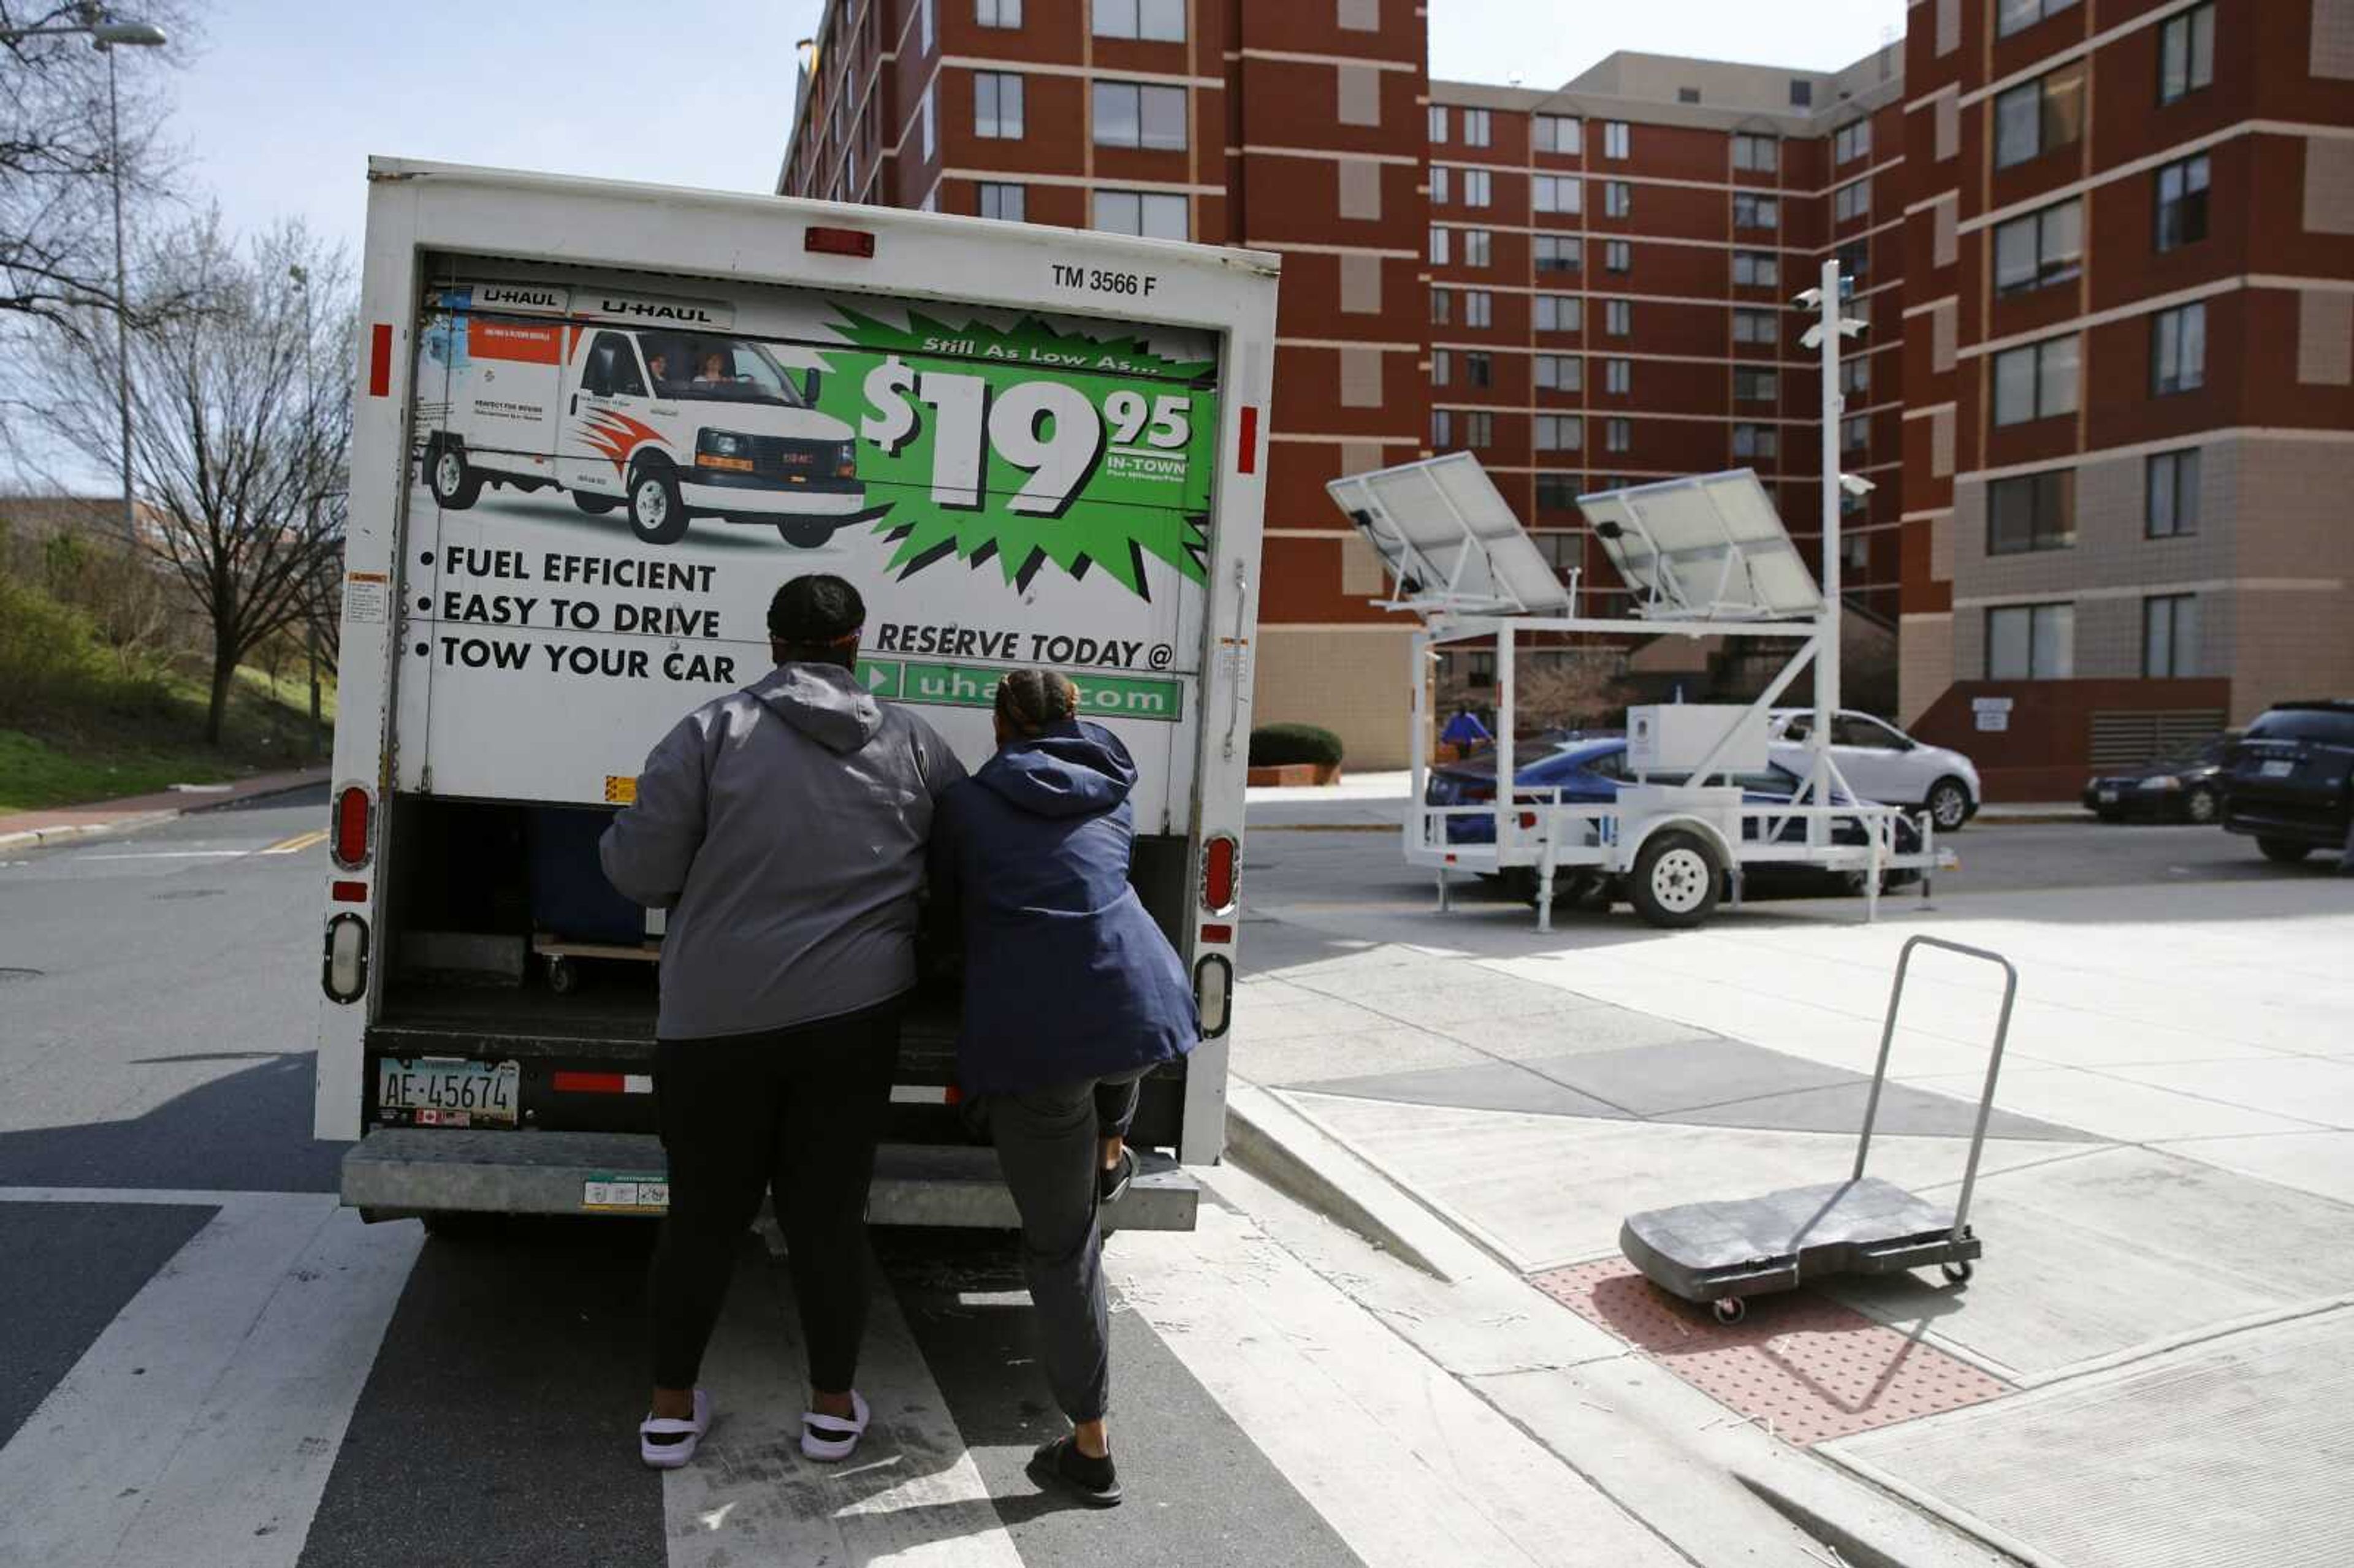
1111, 1185
1060, 1463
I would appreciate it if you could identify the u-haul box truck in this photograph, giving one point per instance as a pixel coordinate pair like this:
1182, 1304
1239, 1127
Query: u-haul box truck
598, 425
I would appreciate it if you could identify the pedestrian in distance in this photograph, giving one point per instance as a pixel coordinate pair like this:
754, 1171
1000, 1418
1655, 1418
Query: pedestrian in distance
1072, 996
784, 827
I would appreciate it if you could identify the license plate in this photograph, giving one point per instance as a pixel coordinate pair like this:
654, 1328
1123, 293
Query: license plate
2108, 797
448, 1091
2278, 770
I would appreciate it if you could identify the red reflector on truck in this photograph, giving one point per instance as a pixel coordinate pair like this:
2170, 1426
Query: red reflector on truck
1247, 462
380, 359
349, 841
1218, 934
349, 892
602, 1083
838, 241
1218, 872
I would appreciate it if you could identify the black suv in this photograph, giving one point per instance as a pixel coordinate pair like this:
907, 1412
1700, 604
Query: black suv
2289, 781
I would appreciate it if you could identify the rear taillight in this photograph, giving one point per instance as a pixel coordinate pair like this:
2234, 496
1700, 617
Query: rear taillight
1220, 856
354, 815
1212, 990
344, 972
828, 241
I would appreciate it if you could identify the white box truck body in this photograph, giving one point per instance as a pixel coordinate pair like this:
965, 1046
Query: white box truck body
597, 426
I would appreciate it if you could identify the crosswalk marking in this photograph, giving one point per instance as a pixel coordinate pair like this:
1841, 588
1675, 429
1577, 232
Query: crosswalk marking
911, 1494
200, 1426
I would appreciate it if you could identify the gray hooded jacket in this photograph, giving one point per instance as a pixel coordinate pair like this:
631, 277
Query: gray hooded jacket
783, 826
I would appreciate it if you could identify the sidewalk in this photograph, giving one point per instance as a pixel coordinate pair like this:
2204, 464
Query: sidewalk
2166, 1199
26, 828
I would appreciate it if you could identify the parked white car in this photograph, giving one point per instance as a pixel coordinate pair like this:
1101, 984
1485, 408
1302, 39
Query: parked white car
1880, 762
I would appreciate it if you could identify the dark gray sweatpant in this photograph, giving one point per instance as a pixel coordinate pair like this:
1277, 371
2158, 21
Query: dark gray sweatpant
1046, 1146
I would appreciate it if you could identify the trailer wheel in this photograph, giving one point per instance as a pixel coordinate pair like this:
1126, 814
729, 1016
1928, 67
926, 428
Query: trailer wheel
563, 976
656, 514
806, 533
1675, 882
1729, 1310
1956, 1273
595, 505
456, 485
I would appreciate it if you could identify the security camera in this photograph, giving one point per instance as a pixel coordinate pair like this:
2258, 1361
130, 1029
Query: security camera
1856, 484
1808, 298
1850, 327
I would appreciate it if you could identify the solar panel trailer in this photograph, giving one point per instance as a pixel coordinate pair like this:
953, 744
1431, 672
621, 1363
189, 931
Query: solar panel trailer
1705, 556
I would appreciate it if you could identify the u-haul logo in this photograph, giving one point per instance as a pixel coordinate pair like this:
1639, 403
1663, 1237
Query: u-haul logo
659, 311
503, 296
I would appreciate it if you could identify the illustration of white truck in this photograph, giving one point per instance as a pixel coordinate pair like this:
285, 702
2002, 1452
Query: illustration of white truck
665, 412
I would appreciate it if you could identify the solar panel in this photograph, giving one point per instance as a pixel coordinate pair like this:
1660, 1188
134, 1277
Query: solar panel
1449, 539
1711, 546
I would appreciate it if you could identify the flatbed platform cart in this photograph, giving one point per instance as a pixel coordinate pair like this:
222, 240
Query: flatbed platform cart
1721, 1254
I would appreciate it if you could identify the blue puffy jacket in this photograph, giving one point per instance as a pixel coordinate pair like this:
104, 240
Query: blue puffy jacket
1066, 975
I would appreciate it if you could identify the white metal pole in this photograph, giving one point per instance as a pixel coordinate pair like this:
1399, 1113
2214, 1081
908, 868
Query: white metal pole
121, 304
1507, 655
1826, 657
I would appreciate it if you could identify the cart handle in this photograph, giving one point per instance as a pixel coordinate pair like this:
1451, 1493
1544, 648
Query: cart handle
1994, 1063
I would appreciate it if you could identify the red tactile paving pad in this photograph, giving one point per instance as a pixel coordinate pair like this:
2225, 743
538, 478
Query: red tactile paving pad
1805, 1367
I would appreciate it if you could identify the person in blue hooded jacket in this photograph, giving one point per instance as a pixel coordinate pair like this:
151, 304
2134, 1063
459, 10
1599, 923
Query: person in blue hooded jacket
1072, 995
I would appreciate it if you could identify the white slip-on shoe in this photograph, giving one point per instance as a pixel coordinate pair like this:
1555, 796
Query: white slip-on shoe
682, 1435
831, 1437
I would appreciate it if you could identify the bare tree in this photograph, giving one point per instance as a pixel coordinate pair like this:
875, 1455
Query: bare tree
244, 418
60, 153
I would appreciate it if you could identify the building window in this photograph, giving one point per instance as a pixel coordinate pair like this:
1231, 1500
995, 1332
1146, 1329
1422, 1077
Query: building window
1478, 370
2170, 637
1687, 95
1557, 134
2183, 203
1802, 93
1442, 430
924, 26
2032, 643
2036, 382
1480, 429
1851, 141
1613, 138
1557, 193
2011, 16
1160, 21
1556, 253
999, 201
1855, 552
1558, 433
1147, 213
1855, 259
1855, 374
2031, 512
1439, 246
2178, 349
1617, 375
1441, 179
1476, 247
1617, 198
2171, 507
1442, 366
1855, 432
1851, 200
931, 135
1482, 668
1618, 435
2040, 116
1475, 128
2186, 52
997, 105
1557, 492
1560, 373
1618, 255
1556, 313
997, 13
2040, 249
1617, 317
1476, 189
1131, 114
1754, 385
1442, 306
1438, 122
1755, 212
1754, 326
1756, 270
1478, 308
1757, 441
1762, 154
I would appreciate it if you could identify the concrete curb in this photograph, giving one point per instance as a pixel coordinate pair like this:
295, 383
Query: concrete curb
1282, 1148
35, 838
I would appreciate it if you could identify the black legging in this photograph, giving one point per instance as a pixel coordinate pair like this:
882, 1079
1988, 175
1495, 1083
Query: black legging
796, 1111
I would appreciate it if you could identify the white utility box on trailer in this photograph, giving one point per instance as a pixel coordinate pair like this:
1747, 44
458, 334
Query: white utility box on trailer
597, 426
1676, 737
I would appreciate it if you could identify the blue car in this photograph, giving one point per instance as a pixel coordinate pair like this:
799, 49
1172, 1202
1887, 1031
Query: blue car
1588, 769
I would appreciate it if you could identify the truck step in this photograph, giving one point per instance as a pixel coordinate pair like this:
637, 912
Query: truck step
403, 1171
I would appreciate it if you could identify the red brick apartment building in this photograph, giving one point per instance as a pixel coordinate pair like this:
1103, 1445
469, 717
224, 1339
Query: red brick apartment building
2105, 247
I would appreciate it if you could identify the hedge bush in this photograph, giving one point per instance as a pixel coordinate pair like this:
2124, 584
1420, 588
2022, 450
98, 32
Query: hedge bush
1282, 745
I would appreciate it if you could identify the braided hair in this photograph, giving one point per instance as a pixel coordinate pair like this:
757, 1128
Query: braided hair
1030, 702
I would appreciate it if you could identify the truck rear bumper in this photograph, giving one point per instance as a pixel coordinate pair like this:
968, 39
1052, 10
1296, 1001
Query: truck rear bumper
400, 1172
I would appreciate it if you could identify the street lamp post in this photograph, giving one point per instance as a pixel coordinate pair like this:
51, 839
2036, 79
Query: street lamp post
106, 34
